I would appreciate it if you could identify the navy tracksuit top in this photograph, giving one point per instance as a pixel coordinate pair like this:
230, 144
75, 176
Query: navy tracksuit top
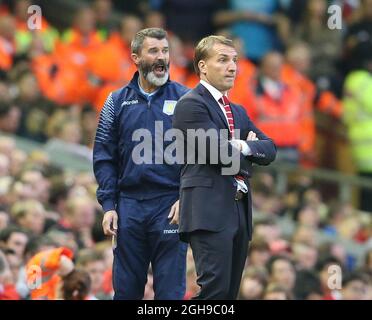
125, 111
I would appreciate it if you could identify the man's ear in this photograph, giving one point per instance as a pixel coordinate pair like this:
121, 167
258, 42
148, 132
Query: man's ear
202, 67
135, 58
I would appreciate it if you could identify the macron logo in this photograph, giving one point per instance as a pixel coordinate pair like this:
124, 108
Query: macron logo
170, 231
129, 103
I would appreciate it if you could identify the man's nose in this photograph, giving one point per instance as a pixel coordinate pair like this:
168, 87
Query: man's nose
161, 55
232, 67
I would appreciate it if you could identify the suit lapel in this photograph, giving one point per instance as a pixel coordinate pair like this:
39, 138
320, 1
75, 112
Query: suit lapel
212, 103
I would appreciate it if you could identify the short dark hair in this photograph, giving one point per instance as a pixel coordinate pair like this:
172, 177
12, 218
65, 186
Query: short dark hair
277, 288
327, 260
259, 245
307, 283
4, 108
273, 259
204, 46
35, 243
139, 38
354, 276
76, 285
6, 233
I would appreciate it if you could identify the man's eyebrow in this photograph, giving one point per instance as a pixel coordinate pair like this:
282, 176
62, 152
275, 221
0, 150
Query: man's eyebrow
151, 48
226, 55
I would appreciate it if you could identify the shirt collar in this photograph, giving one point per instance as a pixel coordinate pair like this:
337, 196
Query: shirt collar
217, 95
148, 95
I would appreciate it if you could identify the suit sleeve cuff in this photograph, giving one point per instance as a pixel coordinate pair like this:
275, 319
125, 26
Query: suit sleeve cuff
108, 205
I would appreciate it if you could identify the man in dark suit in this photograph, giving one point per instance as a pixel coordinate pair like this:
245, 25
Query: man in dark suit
215, 213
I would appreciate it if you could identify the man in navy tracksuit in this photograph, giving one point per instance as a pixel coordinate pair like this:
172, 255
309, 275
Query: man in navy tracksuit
140, 199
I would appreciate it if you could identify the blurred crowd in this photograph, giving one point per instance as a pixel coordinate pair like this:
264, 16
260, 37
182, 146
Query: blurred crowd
292, 66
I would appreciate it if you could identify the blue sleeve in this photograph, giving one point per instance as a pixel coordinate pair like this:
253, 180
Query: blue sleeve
105, 157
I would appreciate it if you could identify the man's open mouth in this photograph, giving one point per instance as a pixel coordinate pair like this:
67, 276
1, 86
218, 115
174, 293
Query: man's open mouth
159, 69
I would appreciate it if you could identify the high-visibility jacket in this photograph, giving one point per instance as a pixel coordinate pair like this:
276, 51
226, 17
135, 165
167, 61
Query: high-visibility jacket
103, 93
24, 36
74, 37
191, 80
127, 67
7, 51
61, 80
295, 79
64, 76
357, 115
326, 102
285, 120
177, 73
330, 104
48, 262
306, 92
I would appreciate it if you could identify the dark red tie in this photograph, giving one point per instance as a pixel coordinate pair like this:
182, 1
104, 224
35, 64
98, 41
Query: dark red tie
230, 120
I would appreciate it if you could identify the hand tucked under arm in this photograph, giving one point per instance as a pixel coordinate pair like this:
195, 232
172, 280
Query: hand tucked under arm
242, 146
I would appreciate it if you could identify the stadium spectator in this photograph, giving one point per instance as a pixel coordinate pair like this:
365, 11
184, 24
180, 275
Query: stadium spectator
118, 69
14, 238
7, 42
243, 91
276, 106
7, 287
30, 215
76, 286
281, 270
253, 284
258, 23
105, 21
354, 287
276, 291
51, 265
93, 262
258, 253
307, 286
4, 220
24, 35
358, 121
10, 116
178, 15
323, 267
304, 256
80, 217
325, 45
358, 38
